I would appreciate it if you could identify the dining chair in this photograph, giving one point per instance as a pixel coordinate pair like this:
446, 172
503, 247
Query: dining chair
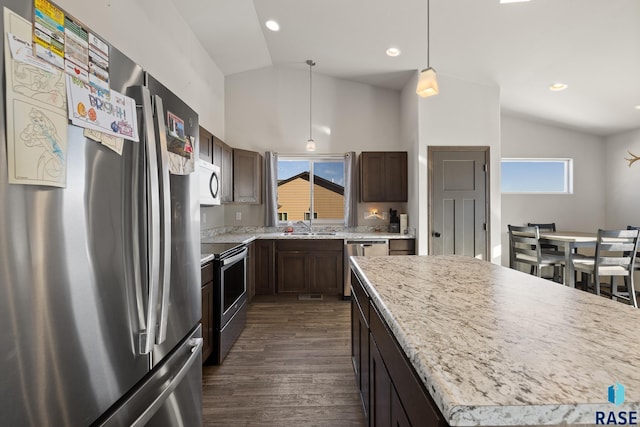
525, 248
548, 226
615, 256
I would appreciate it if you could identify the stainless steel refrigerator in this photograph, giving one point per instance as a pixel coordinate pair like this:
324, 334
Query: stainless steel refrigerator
99, 281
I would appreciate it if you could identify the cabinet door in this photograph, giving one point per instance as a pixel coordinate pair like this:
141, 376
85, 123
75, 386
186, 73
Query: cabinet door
360, 352
293, 272
398, 415
251, 271
206, 145
223, 157
395, 170
372, 177
265, 267
207, 320
326, 272
247, 176
380, 388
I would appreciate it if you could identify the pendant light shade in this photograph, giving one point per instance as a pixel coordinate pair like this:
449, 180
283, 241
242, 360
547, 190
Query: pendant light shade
427, 82
311, 144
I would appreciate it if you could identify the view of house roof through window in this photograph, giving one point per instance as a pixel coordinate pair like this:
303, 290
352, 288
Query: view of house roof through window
310, 185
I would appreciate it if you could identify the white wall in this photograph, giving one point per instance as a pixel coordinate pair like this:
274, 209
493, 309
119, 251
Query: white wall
581, 211
152, 33
622, 181
462, 114
410, 127
268, 109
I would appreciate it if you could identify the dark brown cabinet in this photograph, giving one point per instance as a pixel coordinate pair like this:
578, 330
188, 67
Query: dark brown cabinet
265, 267
383, 176
395, 393
360, 342
402, 246
206, 145
309, 266
206, 274
223, 157
251, 271
247, 176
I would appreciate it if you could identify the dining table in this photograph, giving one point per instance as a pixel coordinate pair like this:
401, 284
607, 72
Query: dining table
569, 242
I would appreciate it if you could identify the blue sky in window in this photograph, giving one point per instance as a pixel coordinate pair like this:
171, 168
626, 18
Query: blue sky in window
331, 171
527, 176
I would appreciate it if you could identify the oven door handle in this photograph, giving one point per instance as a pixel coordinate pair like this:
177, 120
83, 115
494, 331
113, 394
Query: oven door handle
235, 258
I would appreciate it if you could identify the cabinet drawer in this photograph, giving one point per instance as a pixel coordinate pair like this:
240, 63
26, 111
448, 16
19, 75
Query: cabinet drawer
310, 245
406, 246
360, 295
206, 273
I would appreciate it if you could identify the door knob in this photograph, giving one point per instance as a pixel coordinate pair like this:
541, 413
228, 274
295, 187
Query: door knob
435, 234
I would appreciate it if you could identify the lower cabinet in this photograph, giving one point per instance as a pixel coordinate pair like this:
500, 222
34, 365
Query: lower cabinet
360, 349
264, 267
251, 271
392, 393
309, 266
206, 273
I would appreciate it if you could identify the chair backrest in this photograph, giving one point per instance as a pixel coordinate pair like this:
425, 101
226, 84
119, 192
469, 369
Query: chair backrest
549, 226
523, 241
616, 248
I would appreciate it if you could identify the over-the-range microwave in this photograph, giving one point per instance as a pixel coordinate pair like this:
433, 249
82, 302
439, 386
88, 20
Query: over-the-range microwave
209, 176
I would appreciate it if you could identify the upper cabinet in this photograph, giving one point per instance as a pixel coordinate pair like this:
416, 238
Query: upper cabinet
247, 176
206, 145
223, 157
383, 176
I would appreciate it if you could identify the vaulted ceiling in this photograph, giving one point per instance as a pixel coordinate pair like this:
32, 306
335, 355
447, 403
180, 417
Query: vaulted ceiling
591, 45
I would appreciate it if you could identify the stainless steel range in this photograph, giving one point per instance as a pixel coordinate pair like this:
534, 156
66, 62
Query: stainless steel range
230, 295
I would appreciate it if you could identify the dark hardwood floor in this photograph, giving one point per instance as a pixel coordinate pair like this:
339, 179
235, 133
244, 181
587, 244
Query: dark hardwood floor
291, 366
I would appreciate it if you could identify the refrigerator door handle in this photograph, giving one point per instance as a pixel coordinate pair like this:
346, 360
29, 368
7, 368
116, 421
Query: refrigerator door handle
164, 189
196, 350
147, 336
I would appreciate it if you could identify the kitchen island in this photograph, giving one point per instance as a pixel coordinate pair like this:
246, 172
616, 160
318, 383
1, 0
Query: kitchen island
492, 346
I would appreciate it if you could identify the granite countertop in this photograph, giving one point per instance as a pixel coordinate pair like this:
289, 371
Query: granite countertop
249, 237
496, 346
246, 238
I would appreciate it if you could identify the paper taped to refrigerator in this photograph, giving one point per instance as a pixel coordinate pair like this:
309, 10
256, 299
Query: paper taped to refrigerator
36, 116
113, 142
108, 112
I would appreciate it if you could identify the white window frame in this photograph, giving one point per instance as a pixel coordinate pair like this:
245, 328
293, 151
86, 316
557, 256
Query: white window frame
312, 159
568, 173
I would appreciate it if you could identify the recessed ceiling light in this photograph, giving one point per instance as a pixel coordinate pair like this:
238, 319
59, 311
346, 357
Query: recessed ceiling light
558, 86
272, 25
512, 1
393, 51
637, 107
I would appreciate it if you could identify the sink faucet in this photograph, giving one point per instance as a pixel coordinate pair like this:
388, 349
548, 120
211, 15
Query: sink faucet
307, 226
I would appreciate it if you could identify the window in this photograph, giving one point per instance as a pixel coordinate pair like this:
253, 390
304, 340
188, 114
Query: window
542, 176
308, 185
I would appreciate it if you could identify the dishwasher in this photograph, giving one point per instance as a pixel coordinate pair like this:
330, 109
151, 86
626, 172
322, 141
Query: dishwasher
361, 247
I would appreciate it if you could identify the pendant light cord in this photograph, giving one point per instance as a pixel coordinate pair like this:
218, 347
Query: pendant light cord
428, 33
311, 64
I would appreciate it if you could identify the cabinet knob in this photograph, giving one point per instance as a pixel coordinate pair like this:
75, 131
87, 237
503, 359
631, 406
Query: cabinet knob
435, 234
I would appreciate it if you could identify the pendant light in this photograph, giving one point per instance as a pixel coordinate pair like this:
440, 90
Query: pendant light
427, 82
311, 144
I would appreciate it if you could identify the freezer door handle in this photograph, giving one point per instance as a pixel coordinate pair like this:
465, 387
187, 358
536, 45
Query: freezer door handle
147, 336
196, 350
164, 189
